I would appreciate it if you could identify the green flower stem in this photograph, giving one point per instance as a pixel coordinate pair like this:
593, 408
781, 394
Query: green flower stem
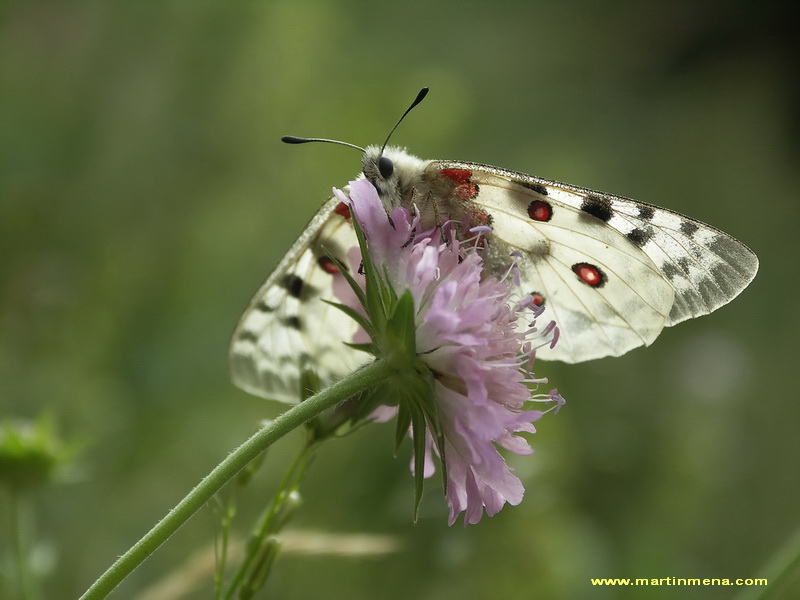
353, 384
268, 525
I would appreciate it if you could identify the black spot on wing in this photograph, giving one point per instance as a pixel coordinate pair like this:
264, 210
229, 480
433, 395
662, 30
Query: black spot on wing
599, 208
248, 336
293, 322
534, 187
688, 228
639, 236
646, 213
670, 271
262, 306
293, 284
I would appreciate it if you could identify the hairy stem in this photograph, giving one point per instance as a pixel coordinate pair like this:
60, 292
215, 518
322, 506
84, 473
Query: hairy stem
294, 417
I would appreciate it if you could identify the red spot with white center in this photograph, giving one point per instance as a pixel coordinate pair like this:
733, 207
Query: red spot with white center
539, 210
327, 265
459, 176
342, 209
589, 274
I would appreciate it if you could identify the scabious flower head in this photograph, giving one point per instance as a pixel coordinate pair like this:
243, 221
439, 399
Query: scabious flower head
468, 376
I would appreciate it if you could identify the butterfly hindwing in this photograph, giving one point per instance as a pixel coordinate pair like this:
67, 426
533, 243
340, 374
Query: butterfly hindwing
288, 328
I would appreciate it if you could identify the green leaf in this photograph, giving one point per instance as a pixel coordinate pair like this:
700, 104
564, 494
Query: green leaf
401, 335
402, 424
373, 286
355, 315
418, 428
349, 278
425, 390
388, 295
368, 348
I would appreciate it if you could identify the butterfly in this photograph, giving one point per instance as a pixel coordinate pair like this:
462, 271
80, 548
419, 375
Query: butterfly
611, 271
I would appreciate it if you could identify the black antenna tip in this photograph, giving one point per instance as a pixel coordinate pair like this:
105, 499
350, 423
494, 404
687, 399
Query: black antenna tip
420, 97
291, 139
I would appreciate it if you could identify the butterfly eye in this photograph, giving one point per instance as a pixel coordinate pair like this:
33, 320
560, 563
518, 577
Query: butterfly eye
385, 167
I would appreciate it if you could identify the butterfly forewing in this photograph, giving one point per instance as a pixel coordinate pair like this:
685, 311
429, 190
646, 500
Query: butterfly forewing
656, 267
288, 328
623, 309
707, 268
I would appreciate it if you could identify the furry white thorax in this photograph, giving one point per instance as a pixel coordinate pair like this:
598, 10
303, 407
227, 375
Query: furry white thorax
406, 173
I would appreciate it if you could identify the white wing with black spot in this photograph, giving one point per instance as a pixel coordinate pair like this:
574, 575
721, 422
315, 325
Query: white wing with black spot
287, 328
612, 271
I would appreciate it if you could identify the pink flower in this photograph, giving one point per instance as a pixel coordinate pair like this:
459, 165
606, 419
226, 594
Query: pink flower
472, 334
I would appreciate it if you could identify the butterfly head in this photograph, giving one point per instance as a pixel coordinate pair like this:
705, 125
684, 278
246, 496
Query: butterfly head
393, 171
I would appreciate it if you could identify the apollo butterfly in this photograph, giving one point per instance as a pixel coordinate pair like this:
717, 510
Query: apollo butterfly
612, 271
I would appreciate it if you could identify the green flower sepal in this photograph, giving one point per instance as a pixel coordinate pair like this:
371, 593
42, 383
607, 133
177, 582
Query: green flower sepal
390, 323
32, 454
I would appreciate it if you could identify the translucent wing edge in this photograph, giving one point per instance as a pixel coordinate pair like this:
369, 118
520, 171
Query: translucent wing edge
242, 361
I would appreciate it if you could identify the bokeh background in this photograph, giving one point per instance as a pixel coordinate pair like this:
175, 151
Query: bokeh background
144, 196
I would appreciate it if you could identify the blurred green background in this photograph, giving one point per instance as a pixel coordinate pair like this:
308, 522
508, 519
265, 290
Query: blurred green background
144, 196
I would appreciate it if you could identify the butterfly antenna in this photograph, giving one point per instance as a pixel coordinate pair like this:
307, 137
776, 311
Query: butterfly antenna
290, 139
420, 97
